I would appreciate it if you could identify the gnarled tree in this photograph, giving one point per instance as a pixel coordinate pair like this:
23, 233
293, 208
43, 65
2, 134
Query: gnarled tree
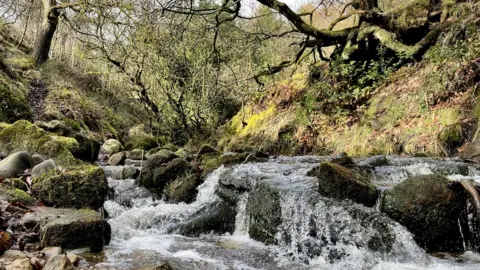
407, 31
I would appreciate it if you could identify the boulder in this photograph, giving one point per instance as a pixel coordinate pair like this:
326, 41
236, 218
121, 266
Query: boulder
429, 209
339, 182
117, 159
15, 195
182, 189
263, 206
130, 172
161, 157
139, 138
60, 262
24, 136
161, 176
88, 147
81, 187
37, 159
111, 147
219, 218
230, 187
136, 154
15, 164
472, 151
153, 162
69, 228
44, 167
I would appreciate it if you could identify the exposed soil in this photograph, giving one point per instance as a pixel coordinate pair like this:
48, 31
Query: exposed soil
36, 97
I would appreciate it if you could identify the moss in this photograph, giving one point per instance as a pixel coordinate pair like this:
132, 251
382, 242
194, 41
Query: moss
16, 183
13, 103
182, 189
15, 195
69, 228
69, 143
206, 149
139, 139
23, 63
82, 186
162, 176
4, 126
341, 183
210, 162
430, 209
25, 136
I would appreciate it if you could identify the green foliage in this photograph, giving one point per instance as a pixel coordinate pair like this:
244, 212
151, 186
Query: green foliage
346, 85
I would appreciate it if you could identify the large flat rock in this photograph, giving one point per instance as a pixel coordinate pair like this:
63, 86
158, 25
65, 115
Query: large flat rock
69, 228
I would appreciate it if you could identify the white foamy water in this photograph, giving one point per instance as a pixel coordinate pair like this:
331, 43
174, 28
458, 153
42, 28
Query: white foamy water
315, 232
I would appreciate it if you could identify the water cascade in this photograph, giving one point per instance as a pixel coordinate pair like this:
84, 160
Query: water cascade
277, 202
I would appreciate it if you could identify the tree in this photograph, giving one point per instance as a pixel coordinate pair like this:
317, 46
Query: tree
43, 43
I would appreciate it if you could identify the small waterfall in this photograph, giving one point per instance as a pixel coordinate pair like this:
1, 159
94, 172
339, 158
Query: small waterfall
314, 232
241, 219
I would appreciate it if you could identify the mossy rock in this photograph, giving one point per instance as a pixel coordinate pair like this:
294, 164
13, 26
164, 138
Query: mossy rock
173, 170
25, 136
264, 209
83, 186
161, 157
343, 160
156, 178
219, 218
209, 162
4, 125
15, 195
339, 182
136, 154
13, 104
183, 153
111, 147
472, 151
182, 189
88, 147
138, 138
429, 209
69, 228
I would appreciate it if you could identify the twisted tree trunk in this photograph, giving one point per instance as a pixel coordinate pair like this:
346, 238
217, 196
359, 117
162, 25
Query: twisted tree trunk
45, 37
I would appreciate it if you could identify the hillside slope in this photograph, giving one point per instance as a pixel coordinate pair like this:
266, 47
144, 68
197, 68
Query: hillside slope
62, 91
427, 108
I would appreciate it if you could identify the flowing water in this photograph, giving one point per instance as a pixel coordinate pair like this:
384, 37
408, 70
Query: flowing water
314, 233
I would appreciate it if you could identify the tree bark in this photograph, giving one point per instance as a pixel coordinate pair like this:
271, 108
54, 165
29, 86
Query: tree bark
49, 27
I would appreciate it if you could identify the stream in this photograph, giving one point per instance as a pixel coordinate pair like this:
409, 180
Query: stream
315, 232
